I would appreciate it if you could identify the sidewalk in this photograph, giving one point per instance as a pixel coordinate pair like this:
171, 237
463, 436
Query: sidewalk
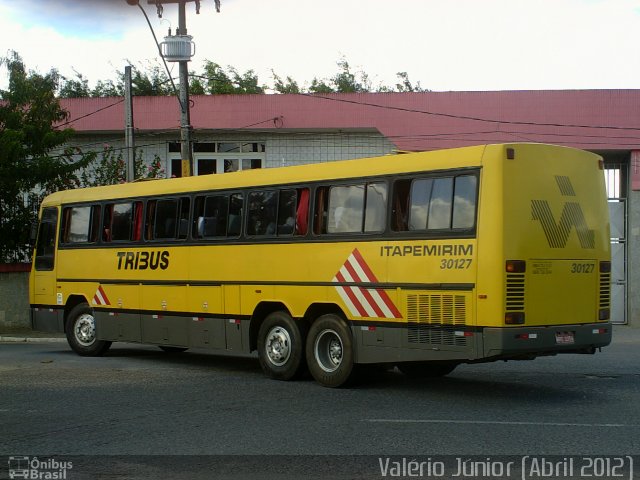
621, 334
31, 336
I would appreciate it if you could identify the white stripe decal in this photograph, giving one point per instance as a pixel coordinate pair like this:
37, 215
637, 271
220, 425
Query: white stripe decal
370, 301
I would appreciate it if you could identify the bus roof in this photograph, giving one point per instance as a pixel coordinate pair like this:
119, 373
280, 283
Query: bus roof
358, 168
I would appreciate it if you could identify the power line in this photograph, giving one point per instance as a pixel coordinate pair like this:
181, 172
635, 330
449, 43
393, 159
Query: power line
464, 117
91, 113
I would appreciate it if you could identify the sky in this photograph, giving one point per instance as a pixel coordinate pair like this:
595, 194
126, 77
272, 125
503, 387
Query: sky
445, 45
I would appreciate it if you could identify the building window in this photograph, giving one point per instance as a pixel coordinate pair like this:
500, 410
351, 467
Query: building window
220, 157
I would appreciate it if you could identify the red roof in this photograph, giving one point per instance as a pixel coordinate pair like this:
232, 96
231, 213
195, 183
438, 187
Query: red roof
589, 119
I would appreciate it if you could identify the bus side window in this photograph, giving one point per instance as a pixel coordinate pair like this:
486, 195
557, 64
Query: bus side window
183, 218
137, 222
197, 227
65, 225
94, 233
464, 202
287, 212
302, 212
78, 221
106, 223
420, 197
375, 212
400, 212
149, 219
122, 222
262, 213
214, 222
165, 224
320, 212
441, 203
235, 215
346, 209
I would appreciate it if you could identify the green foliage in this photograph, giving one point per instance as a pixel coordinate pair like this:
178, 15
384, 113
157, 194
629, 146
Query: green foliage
152, 79
229, 81
287, 86
149, 81
110, 168
75, 88
30, 145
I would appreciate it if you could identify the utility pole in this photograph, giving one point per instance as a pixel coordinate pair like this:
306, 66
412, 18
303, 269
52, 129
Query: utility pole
185, 117
128, 122
178, 48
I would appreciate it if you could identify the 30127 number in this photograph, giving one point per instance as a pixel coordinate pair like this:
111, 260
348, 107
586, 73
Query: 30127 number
582, 267
455, 264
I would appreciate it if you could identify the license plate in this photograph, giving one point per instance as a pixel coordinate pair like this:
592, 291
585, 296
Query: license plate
565, 338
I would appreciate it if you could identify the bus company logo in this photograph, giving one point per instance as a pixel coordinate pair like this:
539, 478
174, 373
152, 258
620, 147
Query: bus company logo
100, 298
144, 260
557, 233
362, 301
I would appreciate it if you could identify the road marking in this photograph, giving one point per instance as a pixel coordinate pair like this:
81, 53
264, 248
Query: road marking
491, 422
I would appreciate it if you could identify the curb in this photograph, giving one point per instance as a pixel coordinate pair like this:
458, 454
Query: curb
12, 339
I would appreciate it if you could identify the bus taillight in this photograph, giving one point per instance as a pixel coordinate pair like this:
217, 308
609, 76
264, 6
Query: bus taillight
514, 318
516, 266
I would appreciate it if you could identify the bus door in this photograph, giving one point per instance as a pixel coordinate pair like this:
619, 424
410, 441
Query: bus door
45, 316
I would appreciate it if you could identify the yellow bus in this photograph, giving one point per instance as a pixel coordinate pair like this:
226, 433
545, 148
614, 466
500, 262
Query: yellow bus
422, 261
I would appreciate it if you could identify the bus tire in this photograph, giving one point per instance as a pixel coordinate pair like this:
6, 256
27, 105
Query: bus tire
330, 351
426, 369
81, 332
281, 346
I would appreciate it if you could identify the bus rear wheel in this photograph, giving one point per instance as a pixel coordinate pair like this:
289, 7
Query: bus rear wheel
281, 346
80, 328
330, 351
426, 369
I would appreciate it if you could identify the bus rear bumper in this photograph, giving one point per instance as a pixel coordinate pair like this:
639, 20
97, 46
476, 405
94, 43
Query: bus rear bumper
528, 342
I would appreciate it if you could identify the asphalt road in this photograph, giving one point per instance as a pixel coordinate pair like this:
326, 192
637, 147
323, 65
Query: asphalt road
140, 403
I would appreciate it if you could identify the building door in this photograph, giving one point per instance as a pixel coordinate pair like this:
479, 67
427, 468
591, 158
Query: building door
616, 177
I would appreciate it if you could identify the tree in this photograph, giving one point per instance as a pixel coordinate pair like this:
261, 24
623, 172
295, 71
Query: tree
152, 79
405, 84
110, 168
74, 88
33, 158
219, 81
287, 86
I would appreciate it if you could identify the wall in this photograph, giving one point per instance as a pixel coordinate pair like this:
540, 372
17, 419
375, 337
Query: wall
14, 300
282, 149
633, 259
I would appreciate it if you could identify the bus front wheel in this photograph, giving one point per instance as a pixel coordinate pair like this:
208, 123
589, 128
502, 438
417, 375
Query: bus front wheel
281, 346
330, 351
81, 332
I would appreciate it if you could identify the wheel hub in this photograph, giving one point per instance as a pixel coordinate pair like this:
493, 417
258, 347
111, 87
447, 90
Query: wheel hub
278, 346
85, 330
328, 351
